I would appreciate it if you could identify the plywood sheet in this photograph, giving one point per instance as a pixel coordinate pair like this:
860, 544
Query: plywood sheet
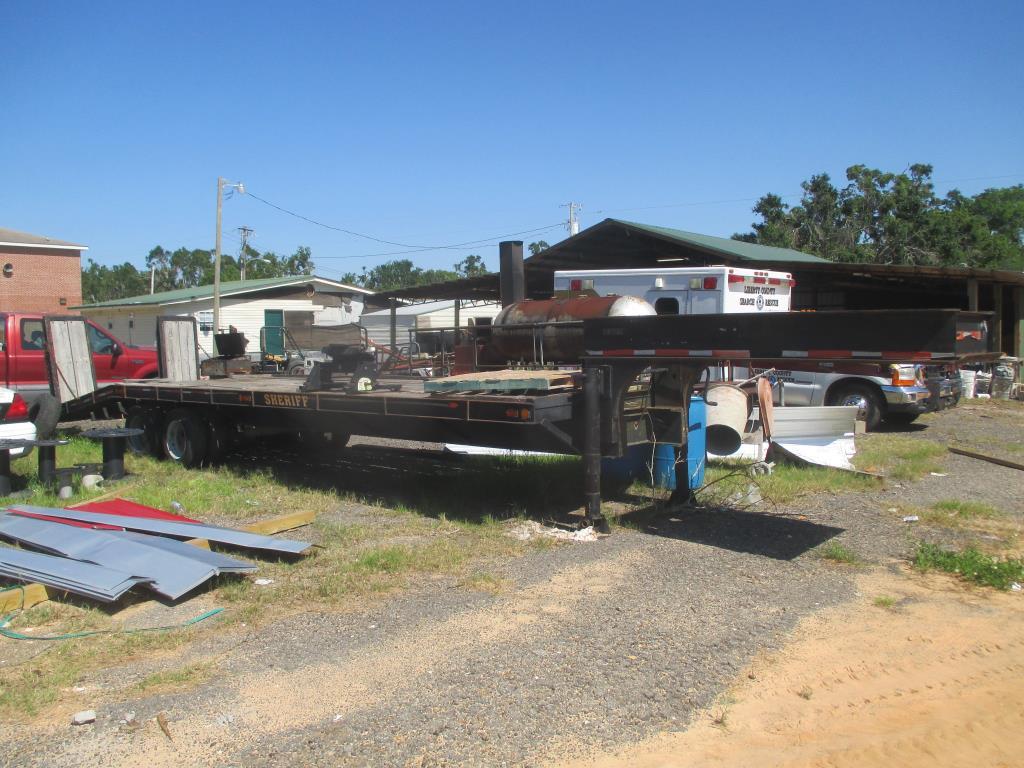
69, 357
177, 343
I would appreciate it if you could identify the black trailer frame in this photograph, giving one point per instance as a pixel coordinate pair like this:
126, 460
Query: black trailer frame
638, 374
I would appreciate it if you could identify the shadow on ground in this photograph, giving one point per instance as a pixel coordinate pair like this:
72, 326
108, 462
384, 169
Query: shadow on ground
430, 482
775, 536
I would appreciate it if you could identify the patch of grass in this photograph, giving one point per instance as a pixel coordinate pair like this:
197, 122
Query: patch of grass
965, 510
486, 582
786, 482
970, 564
884, 601
839, 553
898, 457
174, 679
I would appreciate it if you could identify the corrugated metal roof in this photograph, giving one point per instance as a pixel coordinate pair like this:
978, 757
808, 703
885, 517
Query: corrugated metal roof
734, 249
229, 288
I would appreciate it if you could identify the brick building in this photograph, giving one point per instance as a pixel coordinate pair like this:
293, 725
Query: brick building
39, 274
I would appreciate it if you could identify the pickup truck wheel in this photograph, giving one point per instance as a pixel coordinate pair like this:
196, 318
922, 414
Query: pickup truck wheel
864, 397
148, 443
45, 413
297, 369
185, 437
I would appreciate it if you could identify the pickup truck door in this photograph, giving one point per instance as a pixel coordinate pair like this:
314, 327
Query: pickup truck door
108, 356
26, 355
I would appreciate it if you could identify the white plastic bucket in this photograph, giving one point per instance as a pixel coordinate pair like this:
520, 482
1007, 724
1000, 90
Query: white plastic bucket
728, 408
967, 382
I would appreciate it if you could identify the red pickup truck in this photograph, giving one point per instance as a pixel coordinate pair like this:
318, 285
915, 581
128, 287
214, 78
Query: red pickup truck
23, 363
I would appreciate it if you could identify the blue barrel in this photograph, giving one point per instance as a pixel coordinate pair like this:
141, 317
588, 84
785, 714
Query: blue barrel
665, 466
696, 443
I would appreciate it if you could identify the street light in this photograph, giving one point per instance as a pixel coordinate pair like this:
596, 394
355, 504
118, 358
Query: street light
243, 261
221, 184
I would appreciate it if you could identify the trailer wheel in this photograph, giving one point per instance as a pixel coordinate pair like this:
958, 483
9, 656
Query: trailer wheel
865, 397
185, 437
148, 443
218, 438
45, 413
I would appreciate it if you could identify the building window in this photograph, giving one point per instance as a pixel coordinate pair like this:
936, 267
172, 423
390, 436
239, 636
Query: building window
205, 318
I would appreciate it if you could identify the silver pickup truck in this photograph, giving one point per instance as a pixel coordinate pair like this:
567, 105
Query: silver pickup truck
897, 395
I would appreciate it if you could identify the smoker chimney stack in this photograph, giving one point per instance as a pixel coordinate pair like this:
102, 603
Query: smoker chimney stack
513, 274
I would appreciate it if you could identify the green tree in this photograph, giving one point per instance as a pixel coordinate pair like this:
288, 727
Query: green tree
537, 247
471, 266
896, 218
103, 283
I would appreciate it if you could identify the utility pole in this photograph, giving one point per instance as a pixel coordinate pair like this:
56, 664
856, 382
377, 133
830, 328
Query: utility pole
221, 183
152, 279
573, 225
216, 259
244, 232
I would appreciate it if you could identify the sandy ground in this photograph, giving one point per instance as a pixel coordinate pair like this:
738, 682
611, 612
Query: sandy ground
936, 680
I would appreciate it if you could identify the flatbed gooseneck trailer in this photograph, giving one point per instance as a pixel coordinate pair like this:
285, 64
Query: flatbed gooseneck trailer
634, 384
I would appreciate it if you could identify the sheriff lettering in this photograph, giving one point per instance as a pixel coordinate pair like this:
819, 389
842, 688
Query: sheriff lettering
286, 400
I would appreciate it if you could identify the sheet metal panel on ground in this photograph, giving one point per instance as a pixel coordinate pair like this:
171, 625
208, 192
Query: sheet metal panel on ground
172, 571
228, 536
63, 573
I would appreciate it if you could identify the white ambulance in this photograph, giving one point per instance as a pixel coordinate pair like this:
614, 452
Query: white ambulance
688, 290
896, 393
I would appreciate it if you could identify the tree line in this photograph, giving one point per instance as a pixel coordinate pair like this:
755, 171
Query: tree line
186, 268
895, 218
190, 267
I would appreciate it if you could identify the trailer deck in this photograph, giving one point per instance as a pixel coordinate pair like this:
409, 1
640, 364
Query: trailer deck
516, 421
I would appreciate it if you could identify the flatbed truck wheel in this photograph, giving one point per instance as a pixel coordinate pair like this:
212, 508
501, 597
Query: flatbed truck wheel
185, 438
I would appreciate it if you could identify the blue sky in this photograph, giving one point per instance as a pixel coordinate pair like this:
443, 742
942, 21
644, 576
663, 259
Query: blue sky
443, 122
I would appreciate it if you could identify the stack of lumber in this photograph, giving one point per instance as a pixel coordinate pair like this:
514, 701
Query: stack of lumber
507, 380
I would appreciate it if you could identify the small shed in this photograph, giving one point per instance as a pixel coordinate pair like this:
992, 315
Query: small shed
422, 318
294, 303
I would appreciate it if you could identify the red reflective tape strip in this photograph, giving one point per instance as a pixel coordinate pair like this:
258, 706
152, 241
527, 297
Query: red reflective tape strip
671, 353
825, 353
617, 353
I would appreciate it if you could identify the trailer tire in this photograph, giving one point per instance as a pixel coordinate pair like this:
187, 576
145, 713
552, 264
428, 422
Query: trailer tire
865, 396
45, 413
218, 438
148, 420
185, 437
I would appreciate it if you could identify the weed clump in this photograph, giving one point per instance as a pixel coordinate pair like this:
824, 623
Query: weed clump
970, 564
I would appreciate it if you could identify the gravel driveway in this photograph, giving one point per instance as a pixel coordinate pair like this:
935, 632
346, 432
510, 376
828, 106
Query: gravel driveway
593, 645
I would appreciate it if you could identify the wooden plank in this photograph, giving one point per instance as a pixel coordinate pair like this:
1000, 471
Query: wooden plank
505, 380
178, 347
990, 459
13, 598
268, 527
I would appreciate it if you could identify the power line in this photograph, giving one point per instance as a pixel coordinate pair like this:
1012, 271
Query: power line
410, 248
